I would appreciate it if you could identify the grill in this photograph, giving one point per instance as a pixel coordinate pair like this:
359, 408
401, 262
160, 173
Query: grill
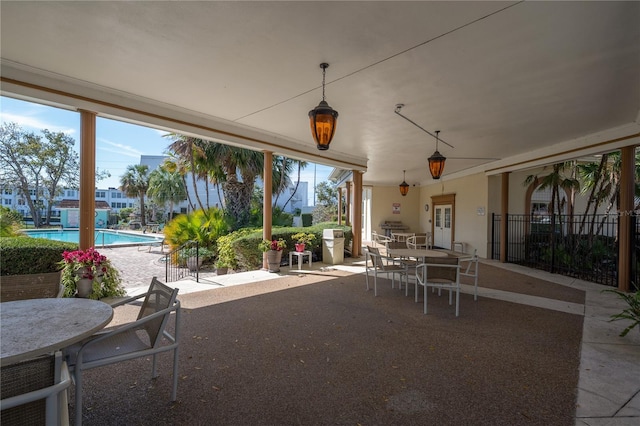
392, 225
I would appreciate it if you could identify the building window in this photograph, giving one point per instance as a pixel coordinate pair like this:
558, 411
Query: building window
7, 201
8, 191
101, 194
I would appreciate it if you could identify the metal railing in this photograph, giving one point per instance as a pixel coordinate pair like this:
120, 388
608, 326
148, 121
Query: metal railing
183, 262
582, 246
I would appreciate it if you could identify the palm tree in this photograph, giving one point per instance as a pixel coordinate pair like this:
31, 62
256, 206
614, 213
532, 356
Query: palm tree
556, 181
175, 164
135, 183
236, 169
301, 165
281, 170
189, 150
166, 187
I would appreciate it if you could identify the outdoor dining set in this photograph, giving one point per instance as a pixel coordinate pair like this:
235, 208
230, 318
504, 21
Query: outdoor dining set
49, 341
405, 256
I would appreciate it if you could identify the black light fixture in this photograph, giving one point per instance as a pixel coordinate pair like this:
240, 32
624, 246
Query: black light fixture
404, 186
323, 119
436, 161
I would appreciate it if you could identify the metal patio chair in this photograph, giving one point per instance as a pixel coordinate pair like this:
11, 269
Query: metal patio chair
440, 273
147, 336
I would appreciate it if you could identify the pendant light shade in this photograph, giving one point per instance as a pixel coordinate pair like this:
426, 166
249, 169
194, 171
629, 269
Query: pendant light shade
323, 119
436, 161
404, 186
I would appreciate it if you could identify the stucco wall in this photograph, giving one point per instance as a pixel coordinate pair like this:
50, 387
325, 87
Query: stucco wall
472, 215
382, 201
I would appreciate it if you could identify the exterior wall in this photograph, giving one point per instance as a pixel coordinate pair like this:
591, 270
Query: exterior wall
70, 218
382, 200
472, 214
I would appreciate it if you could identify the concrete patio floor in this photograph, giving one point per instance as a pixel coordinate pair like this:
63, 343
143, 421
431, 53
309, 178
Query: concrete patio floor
609, 376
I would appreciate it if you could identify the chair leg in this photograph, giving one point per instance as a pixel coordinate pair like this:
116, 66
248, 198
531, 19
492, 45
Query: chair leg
154, 370
375, 284
78, 377
457, 301
174, 391
425, 299
475, 295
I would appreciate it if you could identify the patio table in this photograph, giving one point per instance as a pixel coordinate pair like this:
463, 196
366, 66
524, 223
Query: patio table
416, 253
35, 327
401, 237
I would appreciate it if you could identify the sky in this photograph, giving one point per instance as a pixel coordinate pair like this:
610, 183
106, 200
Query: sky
118, 144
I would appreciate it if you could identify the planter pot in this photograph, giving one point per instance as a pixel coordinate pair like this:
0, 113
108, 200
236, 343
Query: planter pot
194, 263
300, 247
222, 270
274, 257
84, 287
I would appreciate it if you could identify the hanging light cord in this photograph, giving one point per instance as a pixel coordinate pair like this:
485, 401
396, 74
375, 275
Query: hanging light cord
324, 71
397, 111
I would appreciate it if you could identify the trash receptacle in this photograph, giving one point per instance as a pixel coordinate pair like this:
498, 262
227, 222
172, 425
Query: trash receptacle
333, 246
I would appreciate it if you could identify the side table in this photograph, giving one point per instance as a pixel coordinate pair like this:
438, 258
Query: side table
300, 255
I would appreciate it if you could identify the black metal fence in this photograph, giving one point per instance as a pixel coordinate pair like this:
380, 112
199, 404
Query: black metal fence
183, 262
582, 246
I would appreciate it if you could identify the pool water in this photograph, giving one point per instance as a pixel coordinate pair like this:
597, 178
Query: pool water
102, 237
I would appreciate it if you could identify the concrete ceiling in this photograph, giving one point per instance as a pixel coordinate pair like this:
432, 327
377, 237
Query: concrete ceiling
508, 84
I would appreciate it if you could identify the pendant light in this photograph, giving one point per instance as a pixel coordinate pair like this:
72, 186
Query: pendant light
404, 186
323, 119
436, 161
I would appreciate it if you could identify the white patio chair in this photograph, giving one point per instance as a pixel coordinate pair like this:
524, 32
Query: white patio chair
34, 391
469, 268
141, 338
383, 265
418, 242
440, 273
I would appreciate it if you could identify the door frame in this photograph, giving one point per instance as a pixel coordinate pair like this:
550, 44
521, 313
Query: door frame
444, 199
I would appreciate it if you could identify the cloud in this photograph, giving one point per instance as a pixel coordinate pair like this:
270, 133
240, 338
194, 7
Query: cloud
119, 148
34, 123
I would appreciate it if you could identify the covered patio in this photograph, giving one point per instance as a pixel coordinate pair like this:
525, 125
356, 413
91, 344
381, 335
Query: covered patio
511, 86
317, 348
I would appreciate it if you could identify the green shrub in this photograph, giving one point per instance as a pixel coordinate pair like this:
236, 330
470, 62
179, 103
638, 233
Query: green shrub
200, 226
631, 313
26, 255
241, 248
10, 222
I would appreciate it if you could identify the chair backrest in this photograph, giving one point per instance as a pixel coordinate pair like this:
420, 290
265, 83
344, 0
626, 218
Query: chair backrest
445, 273
411, 242
26, 384
29, 286
396, 245
158, 297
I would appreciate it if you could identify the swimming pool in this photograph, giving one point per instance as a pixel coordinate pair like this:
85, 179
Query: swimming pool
102, 237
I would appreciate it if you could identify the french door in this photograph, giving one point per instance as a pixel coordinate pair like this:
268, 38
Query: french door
442, 226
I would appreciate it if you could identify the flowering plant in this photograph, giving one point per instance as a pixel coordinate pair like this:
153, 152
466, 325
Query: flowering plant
89, 264
278, 245
305, 238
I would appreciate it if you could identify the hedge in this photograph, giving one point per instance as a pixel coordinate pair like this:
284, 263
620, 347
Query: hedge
248, 256
26, 255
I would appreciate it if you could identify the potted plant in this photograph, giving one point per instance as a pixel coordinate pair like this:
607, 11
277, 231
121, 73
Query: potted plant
304, 239
222, 266
89, 274
273, 249
194, 257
